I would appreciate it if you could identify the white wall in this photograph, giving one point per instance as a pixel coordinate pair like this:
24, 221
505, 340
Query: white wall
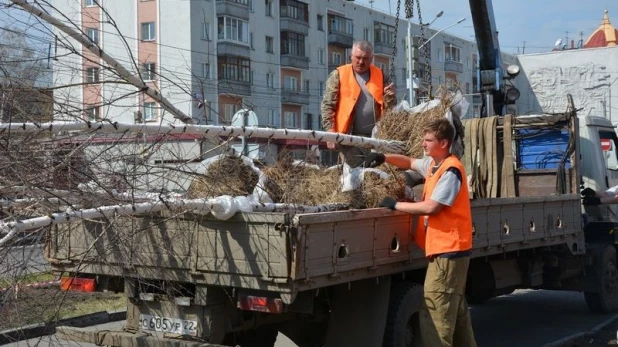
590, 75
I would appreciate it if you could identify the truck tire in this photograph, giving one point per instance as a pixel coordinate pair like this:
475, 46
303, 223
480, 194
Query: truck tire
402, 323
605, 300
263, 337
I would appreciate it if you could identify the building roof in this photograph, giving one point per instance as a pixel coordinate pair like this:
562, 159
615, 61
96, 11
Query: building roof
604, 36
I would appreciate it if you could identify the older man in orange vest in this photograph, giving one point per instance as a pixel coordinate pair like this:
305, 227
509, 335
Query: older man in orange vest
444, 232
356, 95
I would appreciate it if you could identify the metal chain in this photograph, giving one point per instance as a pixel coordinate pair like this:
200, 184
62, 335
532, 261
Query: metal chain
391, 74
409, 9
425, 53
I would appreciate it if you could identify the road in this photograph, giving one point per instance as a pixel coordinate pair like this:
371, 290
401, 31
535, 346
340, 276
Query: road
13, 259
524, 318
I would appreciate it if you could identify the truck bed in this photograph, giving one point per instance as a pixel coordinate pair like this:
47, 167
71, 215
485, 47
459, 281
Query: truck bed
288, 254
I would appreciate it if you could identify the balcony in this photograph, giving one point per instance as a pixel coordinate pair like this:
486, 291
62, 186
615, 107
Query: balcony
295, 25
234, 87
340, 39
453, 66
234, 8
289, 60
383, 48
233, 48
294, 97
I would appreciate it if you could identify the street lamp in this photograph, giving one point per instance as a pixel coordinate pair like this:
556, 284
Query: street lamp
412, 62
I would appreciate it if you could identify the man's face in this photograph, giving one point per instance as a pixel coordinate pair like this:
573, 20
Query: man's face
361, 60
434, 147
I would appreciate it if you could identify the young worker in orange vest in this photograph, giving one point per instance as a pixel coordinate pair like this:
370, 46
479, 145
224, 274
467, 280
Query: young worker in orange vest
444, 232
356, 95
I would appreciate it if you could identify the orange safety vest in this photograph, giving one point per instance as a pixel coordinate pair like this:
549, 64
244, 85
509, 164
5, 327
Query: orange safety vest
451, 229
349, 91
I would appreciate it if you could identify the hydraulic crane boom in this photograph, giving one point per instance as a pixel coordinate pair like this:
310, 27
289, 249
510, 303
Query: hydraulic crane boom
491, 74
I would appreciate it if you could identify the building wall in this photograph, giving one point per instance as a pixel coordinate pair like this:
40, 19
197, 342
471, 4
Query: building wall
589, 75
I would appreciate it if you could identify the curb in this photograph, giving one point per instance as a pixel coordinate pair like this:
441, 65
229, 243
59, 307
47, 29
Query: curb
42, 329
596, 329
36, 285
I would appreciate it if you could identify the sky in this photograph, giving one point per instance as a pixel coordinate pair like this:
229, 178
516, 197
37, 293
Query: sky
537, 24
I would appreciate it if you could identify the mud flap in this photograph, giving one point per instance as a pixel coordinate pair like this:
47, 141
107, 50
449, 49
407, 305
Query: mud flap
358, 313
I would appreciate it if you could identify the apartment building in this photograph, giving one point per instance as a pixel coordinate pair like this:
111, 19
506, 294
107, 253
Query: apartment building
211, 58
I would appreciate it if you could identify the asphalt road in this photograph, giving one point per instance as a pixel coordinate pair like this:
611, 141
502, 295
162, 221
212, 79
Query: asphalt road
524, 318
13, 260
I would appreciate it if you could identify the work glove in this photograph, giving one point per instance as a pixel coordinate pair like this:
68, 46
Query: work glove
371, 159
388, 202
591, 201
588, 192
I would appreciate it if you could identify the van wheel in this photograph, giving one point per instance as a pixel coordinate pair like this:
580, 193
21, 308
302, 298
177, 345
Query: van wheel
262, 337
402, 322
605, 300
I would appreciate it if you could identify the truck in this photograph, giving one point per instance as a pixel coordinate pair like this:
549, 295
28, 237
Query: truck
355, 277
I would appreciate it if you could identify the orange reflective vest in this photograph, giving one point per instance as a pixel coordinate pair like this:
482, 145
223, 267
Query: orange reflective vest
349, 91
450, 230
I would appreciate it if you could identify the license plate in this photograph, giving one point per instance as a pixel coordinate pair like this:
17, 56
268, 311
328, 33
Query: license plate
168, 325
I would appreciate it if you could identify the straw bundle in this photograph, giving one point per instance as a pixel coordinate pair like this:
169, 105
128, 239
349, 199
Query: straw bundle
304, 185
375, 188
408, 126
226, 176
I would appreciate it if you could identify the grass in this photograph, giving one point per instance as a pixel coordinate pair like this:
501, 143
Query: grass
95, 303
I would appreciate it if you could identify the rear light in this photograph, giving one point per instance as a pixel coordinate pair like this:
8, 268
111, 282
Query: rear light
77, 284
260, 304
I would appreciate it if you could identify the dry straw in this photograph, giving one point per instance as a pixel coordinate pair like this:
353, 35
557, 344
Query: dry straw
226, 176
408, 126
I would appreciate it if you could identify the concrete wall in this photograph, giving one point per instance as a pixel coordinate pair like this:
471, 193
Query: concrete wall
590, 75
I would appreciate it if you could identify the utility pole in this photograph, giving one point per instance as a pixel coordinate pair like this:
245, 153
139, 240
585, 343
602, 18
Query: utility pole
523, 50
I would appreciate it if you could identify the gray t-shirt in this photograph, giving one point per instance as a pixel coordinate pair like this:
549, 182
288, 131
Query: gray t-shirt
364, 119
448, 185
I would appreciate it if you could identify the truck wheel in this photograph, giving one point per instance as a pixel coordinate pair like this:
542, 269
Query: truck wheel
252, 338
402, 324
606, 299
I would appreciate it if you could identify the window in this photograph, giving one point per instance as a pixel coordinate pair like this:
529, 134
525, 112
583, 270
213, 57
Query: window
340, 24
381, 66
452, 53
366, 32
269, 45
290, 83
320, 56
250, 5
89, 3
440, 57
320, 22
150, 111
92, 75
273, 120
233, 29
294, 9
148, 71
289, 119
336, 58
321, 88
205, 32
205, 70
234, 69
93, 34
251, 40
292, 43
270, 80
148, 31
228, 113
92, 113
348, 55
306, 85
468, 63
383, 33
308, 121
269, 8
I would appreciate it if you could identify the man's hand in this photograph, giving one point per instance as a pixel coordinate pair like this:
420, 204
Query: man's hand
331, 145
591, 201
388, 202
390, 90
366, 160
589, 192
